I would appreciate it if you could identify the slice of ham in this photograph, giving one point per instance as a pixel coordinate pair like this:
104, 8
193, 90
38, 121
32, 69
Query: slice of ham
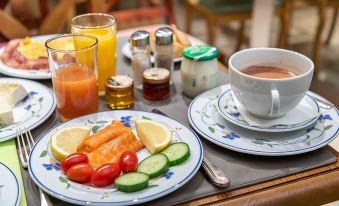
11, 57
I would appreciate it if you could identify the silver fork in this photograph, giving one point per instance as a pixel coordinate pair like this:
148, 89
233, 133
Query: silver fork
25, 143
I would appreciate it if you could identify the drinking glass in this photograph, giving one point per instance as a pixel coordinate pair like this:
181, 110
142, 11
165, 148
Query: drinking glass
73, 64
102, 26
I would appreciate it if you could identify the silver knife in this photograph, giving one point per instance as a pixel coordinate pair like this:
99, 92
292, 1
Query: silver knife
216, 175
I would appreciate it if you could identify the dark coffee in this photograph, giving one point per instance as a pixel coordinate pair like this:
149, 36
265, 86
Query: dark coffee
269, 72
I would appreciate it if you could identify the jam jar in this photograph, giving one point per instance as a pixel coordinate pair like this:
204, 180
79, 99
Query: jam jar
156, 84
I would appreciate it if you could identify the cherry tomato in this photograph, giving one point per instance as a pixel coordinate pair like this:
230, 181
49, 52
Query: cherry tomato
80, 173
73, 159
128, 162
105, 174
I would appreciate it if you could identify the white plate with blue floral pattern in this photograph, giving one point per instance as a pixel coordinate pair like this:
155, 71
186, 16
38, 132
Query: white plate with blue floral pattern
28, 74
207, 121
45, 171
32, 111
303, 115
9, 187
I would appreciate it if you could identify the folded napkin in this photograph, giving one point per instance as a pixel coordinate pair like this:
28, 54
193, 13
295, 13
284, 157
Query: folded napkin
301, 113
9, 156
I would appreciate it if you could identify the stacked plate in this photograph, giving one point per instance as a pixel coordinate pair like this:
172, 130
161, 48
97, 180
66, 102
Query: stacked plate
10, 192
218, 117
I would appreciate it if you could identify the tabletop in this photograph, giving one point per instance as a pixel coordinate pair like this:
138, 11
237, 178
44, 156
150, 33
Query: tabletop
317, 186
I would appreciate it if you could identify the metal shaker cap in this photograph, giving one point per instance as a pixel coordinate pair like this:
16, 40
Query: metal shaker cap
139, 39
164, 36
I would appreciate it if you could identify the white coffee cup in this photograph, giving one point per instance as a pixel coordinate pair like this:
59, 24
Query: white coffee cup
270, 98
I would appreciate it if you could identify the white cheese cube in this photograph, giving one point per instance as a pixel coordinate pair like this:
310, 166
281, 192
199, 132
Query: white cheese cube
12, 93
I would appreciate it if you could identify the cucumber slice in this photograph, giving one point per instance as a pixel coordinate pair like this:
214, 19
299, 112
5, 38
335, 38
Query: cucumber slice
154, 165
177, 153
132, 182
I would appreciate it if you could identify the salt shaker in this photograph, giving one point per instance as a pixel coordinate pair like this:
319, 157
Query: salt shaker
164, 49
139, 42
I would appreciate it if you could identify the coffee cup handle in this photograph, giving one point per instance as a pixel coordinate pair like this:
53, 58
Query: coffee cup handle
275, 102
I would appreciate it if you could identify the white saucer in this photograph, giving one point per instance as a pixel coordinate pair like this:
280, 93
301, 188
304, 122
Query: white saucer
208, 122
303, 115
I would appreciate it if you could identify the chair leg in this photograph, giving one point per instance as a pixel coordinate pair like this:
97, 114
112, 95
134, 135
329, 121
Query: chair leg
170, 15
285, 19
317, 40
211, 22
11, 28
56, 19
240, 35
189, 13
334, 21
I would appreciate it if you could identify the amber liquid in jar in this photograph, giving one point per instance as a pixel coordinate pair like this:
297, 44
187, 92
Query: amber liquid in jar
156, 84
119, 92
156, 92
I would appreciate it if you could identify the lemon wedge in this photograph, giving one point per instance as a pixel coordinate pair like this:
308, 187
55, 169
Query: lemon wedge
155, 136
66, 140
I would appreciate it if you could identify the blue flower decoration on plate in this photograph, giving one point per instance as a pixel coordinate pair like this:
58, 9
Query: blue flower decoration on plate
31, 93
309, 129
324, 117
221, 126
126, 120
51, 166
28, 107
167, 175
231, 136
235, 114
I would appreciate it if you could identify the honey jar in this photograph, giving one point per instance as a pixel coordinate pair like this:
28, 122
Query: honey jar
119, 92
156, 84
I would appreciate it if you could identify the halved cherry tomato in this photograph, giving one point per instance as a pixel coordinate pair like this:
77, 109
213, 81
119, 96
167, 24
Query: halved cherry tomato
105, 174
73, 159
80, 173
128, 162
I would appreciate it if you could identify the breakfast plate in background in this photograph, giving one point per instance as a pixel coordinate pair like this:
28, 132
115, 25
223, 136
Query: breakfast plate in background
304, 114
35, 104
205, 118
35, 46
45, 170
9, 187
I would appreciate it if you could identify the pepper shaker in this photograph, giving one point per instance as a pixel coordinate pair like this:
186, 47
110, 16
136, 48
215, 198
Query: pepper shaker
139, 42
164, 49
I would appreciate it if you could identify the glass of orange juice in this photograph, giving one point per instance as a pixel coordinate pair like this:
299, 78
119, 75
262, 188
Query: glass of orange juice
73, 63
103, 27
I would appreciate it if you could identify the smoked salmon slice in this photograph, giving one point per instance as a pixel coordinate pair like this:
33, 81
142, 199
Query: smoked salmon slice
111, 151
104, 135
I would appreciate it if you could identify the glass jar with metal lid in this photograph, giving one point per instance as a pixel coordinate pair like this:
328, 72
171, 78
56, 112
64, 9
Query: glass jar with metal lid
199, 69
139, 42
119, 92
156, 84
163, 53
